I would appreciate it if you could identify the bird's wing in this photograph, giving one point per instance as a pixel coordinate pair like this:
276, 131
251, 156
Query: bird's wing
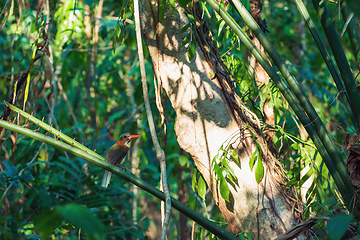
117, 155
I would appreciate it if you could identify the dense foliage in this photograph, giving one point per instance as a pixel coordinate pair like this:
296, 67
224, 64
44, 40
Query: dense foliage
84, 80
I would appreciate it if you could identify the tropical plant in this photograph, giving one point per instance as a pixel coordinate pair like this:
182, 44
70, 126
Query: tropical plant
269, 137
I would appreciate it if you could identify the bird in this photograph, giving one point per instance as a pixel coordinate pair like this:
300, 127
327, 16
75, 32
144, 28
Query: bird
116, 154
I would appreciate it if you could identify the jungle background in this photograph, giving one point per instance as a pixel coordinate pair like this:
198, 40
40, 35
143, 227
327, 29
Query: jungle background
74, 65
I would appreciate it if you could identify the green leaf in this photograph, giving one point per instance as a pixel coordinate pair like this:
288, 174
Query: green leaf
224, 188
248, 235
186, 40
292, 182
172, 3
193, 181
191, 17
81, 218
117, 29
162, 9
184, 28
306, 177
205, 8
221, 26
191, 52
259, 169
115, 115
11, 11
337, 225
201, 187
226, 166
252, 159
216, 168
241, 236
11, 170
183, 3
183, 161
46, 222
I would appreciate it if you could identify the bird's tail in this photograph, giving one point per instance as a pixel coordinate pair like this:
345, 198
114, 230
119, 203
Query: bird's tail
106, 179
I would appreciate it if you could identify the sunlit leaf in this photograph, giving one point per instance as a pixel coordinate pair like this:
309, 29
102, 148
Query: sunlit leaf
259, 170
191, 17
224, 188
183, 161
252, 159
172, 3
186, 40
193, 180
221, 26
201, 187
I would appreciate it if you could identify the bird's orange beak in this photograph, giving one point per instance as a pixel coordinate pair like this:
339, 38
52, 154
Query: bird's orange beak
134, 136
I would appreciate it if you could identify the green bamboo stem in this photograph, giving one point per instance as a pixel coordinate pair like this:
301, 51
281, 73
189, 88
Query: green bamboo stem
351, 29
314, 127
343, 95
335, 165
99, 161
340, 58
52, 130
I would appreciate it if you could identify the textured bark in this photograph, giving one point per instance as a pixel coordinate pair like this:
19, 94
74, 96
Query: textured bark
206, 120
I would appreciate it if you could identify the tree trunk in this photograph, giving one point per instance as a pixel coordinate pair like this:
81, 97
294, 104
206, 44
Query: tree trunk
207, 117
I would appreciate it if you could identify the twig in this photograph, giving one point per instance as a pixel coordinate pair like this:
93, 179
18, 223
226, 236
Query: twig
159, 152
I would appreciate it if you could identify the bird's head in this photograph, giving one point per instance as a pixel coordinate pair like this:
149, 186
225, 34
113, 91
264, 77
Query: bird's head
126, 138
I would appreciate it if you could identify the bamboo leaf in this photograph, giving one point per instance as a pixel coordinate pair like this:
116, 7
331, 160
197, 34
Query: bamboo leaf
252, 159
193, 180
201, 187
259, 169
224, 188
184, 28
186, 40
162, 9
191, 52
221, 26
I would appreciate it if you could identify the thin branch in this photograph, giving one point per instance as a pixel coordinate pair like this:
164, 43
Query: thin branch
159, 152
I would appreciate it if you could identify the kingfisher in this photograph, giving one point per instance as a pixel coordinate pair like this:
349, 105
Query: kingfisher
117, 153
